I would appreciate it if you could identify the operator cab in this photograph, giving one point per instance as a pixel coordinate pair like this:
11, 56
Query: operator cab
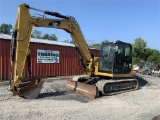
115, 58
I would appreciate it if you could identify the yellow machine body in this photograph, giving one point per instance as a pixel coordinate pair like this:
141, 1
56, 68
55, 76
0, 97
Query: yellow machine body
90, 85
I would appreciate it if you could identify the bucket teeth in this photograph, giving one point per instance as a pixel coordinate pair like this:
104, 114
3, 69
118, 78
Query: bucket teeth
90, 91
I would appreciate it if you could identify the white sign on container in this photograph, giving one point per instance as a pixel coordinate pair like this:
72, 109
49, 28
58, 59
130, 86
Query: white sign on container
47, 56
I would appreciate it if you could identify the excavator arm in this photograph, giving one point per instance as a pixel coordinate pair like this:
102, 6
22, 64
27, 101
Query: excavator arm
29, 87
20, 85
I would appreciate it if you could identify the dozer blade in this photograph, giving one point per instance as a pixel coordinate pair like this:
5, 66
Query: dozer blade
30, 88
90, 91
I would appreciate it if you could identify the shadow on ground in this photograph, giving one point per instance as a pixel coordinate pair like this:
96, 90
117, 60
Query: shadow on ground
142, 82
50, 94
156, 118
65, 95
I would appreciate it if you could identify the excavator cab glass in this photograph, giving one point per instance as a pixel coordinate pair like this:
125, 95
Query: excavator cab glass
107, 58
116, 58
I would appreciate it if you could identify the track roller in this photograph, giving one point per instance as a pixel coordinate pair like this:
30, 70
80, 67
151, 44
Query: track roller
110, 87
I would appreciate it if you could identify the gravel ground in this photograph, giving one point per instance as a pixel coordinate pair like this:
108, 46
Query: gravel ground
55, 102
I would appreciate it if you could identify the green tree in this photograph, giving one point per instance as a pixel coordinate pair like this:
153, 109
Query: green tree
45, 36
98, 45
5, 28
50, 37
153, 56
69, 41
139, 50
37, 34
53, 37
105, 41
72, 42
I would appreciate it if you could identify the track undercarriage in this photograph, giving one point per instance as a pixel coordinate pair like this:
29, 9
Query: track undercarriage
94, 86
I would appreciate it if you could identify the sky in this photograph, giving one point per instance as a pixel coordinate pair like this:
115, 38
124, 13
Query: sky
99, 20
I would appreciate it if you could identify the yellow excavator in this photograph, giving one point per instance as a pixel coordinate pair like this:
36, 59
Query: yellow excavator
108, 74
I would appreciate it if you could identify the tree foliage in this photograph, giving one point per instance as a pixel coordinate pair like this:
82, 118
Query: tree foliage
71, 41
98, 45
142, 53
37, 34
46, 36
139, 48
53, 37
105, 41
154, 56
50, 37
5, 28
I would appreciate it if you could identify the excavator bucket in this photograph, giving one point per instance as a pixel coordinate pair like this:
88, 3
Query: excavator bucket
30, 88
90, 91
